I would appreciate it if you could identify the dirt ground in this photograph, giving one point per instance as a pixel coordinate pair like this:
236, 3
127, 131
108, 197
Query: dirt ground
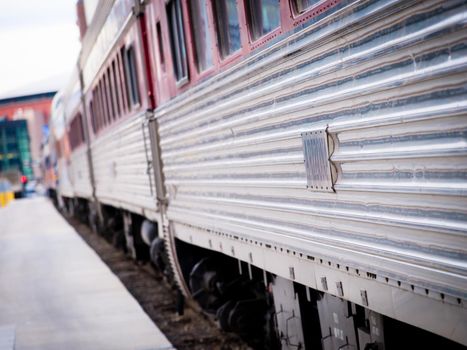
193, 330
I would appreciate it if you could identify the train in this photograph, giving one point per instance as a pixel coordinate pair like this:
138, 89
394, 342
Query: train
297, 168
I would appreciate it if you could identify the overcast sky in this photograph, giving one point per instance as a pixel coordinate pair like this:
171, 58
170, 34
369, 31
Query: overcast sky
39, 45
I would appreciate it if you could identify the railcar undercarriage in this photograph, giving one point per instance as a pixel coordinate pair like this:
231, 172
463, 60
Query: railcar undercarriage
266, 310
277, 313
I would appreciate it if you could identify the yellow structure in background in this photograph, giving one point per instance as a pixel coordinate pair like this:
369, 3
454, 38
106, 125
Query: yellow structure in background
6, 193
5, 198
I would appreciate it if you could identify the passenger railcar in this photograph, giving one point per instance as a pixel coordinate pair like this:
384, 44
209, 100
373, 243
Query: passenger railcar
115, 89
295, 166
59, 135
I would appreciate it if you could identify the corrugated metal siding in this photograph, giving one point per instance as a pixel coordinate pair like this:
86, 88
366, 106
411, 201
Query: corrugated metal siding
388, 80
81, 174
65, 186
120, 167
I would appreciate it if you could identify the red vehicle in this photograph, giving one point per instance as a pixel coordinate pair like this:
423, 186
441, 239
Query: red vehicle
295, 166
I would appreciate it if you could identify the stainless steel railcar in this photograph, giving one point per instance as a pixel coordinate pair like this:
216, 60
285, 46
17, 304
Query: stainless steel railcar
298, 167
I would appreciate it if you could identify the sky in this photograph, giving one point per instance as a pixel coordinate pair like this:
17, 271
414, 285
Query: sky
39, 45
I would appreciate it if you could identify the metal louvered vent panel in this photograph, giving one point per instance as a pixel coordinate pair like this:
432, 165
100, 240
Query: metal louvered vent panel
317, 164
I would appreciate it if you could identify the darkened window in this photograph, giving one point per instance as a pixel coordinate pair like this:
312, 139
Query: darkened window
110, 96
228, 28
160, 44
264, 17
201, 34
105, 92
76, 132
131, 76
126, 96
113, 91
100, 108
95, 105
93, 114
177, 39
116, 89
103, 103
301, 6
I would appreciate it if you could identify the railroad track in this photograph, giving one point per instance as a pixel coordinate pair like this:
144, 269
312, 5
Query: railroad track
192, 330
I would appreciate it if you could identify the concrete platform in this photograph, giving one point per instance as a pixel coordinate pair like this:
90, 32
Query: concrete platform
56, 293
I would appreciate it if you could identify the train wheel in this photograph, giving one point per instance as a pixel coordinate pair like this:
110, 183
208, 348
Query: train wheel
241, 303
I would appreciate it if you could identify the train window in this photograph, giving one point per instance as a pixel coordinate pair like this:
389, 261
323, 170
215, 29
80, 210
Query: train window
301, 6
113, 86
111, 96
95, 104
116, 89
93, 115
94, 112
106, 103
80, 129
264, 17
98, 109
72, 134
126, 96
105, 92
177, 39
160, 44
131, 75
76, 132
103, 106
110, 93
228, 27
201, 34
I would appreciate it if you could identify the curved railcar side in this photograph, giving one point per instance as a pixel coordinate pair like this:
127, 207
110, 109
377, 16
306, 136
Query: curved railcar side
335, 158
62, 147
117, 103
297, 167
